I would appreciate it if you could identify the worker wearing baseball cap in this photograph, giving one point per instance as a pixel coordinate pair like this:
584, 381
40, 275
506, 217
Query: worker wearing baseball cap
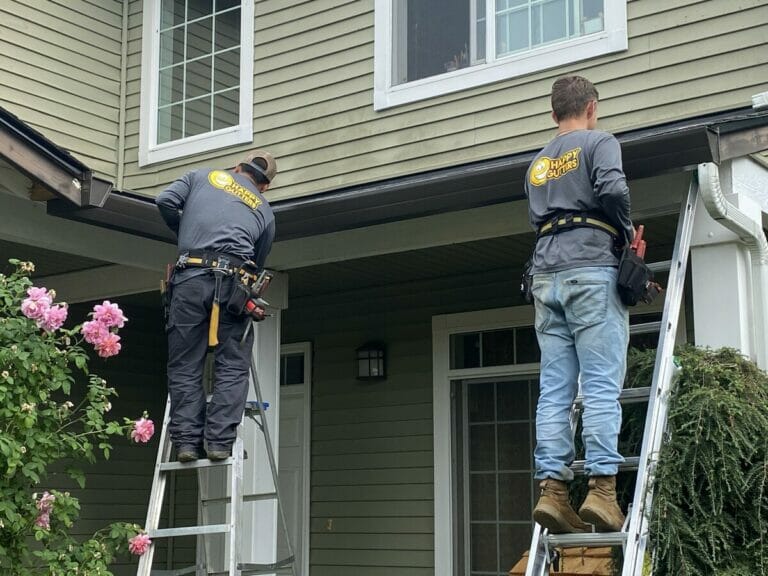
224, 224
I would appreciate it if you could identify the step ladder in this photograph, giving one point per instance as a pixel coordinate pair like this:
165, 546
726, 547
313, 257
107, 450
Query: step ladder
633, 537
235, 498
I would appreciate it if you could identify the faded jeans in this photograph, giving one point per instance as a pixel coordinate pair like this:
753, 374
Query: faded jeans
583, 331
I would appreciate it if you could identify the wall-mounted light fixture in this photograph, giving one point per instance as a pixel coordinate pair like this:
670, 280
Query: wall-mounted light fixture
371, 361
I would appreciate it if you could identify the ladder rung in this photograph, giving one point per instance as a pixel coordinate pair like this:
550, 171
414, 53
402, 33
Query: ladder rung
246, 498
176, 572
645, 328
627, 396
630, 463
662, 266
249, 569
202, 463
189, 531
587, 540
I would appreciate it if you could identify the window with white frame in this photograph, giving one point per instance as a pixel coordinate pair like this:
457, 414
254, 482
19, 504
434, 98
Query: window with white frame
425, 48
196, 77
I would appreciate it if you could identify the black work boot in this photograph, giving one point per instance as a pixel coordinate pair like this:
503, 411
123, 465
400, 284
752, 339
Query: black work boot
554, 511
187, 454
218, 455
600, 507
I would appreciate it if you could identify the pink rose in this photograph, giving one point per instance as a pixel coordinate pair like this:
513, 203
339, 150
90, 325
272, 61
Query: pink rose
45, 502
143, 429
53, 318
94, 331
139, 544
43, 520
109, 314
40, 295
108, 345
34, 309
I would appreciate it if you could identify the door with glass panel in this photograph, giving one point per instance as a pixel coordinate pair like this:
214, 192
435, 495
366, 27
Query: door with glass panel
494, 425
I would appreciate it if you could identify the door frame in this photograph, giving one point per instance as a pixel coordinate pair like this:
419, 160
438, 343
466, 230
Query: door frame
305, 388
443, 327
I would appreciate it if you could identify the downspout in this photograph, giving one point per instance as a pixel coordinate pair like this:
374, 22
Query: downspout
123, 89
751, 235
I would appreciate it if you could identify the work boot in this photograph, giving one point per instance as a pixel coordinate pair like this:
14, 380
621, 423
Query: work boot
187, 454
600, 507
218, 455
554, 512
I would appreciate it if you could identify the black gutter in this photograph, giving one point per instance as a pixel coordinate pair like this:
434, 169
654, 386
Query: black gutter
646, 152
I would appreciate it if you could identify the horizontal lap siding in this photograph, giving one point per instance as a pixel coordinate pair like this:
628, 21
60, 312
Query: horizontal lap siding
60, 73
313, 95
372, 472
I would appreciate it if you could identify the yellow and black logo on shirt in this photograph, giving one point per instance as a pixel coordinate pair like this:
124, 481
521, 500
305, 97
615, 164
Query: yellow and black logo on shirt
223, 180
546, 168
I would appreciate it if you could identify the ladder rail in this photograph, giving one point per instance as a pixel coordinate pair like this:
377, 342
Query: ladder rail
663, 373
156, 496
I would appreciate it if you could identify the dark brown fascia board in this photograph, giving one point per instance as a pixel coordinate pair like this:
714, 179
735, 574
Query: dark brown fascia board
741, 138
39, 167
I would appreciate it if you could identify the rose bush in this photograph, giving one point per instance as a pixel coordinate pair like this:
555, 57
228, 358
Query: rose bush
43, 424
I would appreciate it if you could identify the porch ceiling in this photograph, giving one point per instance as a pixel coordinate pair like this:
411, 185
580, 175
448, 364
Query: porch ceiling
47, 262
506, 253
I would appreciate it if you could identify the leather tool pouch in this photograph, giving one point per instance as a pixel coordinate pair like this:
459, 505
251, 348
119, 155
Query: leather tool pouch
238, 298
526, 282
635, 280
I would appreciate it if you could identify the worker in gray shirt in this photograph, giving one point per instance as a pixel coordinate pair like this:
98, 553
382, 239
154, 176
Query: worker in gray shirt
225, 229
579, 206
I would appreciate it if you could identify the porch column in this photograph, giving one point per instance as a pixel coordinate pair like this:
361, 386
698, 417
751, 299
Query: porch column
728, 271
260, 519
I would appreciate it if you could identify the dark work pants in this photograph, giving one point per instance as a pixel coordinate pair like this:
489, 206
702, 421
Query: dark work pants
188, 322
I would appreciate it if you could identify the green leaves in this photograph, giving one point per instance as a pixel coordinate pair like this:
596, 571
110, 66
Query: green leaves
711, 503
43, 424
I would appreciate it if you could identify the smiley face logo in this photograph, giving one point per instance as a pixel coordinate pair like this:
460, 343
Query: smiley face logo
220, 178
539, 170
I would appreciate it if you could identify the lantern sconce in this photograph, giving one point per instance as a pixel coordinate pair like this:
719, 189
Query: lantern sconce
371, 364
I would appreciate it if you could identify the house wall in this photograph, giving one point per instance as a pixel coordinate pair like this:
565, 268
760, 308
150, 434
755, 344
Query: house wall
313, 92
60, 67
372, 510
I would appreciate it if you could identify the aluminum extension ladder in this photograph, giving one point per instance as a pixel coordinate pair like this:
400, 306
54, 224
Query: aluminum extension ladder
633, 537
235, 499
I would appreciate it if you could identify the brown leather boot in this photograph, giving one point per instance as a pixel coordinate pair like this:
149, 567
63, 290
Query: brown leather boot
600, 507
554, 512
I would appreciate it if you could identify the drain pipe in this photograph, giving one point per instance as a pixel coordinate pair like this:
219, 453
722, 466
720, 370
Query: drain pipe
751, 235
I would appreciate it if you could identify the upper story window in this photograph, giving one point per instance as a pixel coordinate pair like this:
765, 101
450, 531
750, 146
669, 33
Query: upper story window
425, 48
197, 77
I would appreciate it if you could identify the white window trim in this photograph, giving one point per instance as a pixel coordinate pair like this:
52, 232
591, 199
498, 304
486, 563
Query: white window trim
442, 328
149, 151
612, 39
304, 388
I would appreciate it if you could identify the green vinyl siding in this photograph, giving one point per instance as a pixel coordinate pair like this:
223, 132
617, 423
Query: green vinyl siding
313, 92
60, 73
372, 473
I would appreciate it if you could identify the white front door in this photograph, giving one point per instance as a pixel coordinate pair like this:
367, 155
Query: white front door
295, 395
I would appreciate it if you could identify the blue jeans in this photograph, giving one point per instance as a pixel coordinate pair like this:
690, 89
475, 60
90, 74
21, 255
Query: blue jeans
583, 331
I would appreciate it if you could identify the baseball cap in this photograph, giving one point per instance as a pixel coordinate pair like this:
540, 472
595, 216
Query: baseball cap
270, 171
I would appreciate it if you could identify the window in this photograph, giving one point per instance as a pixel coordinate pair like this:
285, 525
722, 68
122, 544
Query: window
429, 47
196, 77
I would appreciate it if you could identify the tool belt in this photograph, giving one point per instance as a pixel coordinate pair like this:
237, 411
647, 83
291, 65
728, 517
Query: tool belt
562, 222
248, 287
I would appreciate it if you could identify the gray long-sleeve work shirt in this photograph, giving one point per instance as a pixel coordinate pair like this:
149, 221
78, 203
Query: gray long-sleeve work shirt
578, 172
218, 211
